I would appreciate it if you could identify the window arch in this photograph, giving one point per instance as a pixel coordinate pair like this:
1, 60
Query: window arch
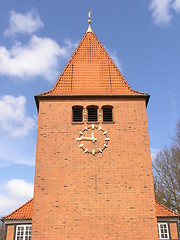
107, 113
77, 113
92, 113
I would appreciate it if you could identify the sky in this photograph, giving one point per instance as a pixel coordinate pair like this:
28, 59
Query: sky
37, 38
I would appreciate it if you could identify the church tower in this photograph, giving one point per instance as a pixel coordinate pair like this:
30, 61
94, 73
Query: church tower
93, 176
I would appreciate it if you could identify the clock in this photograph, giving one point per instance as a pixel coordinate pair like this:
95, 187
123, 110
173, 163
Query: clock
93, 139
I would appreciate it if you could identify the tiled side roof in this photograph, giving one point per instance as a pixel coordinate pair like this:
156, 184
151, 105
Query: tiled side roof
91, 71
25, 211
163, 211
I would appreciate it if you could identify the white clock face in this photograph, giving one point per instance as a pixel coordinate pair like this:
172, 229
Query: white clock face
93, 139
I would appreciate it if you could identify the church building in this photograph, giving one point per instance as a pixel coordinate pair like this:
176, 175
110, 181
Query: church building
93, 174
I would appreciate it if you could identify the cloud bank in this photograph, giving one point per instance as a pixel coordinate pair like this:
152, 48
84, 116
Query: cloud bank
15, 126
26, 23
14, 118
176, 6
16, 193
39, 57
162, 10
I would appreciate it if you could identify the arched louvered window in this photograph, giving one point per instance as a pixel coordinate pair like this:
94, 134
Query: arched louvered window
92, 113
77, 114
107, 113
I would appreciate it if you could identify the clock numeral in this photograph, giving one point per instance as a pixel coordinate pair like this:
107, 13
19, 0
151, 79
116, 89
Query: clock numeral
107, 139
85, 128
92, 126
100, 150
86, 150
105, 146
100, 128
93, 152
79, 139
81, 145
81, 133
105, 132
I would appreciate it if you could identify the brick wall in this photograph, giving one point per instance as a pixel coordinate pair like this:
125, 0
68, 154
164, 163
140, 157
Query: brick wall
173, 230
106, 196
10, 232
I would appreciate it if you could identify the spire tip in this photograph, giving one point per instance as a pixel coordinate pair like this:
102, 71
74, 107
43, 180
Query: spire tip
89, 21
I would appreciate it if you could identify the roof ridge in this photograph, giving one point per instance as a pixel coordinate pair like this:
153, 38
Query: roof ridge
17, 209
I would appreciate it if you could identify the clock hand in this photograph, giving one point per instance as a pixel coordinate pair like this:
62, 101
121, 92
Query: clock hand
88, 138
93, 138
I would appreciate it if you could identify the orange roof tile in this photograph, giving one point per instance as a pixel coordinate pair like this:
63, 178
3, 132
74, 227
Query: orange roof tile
163, 211
91, 71
25, 211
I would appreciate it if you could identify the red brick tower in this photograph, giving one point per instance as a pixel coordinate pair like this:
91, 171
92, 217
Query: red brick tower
93, 177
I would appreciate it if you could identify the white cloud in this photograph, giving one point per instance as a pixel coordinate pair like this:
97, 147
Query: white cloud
13, 116
176, 6
161, 11
23, 23
40, 57
19, 188
17, 130
15, 193
7, 204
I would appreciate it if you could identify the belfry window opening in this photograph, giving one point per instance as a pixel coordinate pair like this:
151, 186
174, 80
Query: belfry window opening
107, 113
77, 114
92, 113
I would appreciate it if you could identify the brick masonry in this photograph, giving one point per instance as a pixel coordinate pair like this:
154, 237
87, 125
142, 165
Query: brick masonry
106, 196
10, 232
174, 232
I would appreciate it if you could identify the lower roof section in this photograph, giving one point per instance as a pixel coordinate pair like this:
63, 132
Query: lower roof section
25, 212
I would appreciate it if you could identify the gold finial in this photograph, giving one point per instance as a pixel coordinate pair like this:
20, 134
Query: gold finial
89, 14
89, 21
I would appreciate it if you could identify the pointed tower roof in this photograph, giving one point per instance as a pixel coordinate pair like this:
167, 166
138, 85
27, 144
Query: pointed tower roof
91, 72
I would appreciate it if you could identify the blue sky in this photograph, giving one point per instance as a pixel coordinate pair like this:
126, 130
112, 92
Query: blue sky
37, 39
